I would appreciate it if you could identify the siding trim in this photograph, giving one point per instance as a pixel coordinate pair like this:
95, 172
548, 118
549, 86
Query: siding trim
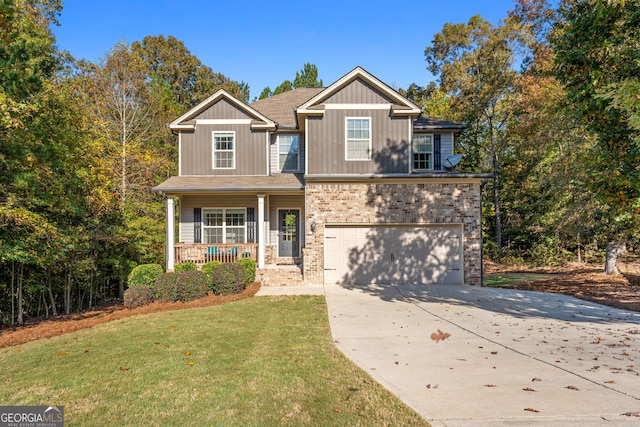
357, 106
223, 121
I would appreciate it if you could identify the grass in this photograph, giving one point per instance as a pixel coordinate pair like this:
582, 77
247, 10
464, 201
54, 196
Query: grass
265, 361
505, 280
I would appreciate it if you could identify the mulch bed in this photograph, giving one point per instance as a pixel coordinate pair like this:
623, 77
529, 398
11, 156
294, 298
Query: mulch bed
587, 282
58, 325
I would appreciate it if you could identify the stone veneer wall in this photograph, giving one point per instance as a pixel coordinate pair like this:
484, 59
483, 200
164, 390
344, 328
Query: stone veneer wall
393, 203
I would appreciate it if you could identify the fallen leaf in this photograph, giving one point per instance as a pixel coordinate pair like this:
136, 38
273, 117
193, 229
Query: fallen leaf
188, 353
490, 385
64, 352
289, 415
494, 352
528, 389
610, 382
440, 336
631, 414
124, 368
570, 387
191, 363
535, 380
531, 410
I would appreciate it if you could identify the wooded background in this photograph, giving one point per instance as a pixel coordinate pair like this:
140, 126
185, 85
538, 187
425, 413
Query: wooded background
550, 99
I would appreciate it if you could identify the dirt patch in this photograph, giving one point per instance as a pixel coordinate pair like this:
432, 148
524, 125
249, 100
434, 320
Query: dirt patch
583, 281
36, 329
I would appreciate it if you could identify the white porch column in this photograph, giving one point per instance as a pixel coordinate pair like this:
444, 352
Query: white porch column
261, 232
171, 238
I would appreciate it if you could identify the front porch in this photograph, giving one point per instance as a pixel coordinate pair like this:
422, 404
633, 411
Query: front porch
201, 253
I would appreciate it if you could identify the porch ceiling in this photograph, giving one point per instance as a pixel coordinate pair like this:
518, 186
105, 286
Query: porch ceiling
201, 184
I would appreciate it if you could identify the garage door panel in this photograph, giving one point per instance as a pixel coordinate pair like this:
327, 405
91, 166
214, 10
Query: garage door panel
393, 254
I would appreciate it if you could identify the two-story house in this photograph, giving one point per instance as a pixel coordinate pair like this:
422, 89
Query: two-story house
344, 184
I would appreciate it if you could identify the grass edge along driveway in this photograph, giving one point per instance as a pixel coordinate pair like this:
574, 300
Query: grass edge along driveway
264, 361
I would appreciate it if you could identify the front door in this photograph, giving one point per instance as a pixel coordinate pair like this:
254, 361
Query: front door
289, 226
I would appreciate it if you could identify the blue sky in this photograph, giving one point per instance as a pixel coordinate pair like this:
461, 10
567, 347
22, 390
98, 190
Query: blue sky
266, 42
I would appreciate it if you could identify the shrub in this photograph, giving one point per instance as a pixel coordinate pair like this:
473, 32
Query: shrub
250, 268
228, 278
185, 266
164, 288
144, 274
137, 296
207, 268
191, 285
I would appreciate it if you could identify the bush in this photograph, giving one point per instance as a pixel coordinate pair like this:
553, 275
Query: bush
191, 285
250, 268
207, 268
228, 278
164, 288
137, 296
185, 266
144, 274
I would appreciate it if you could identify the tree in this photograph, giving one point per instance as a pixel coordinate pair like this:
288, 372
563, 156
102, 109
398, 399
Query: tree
307, 77
189, 81
122, 106
598, 61
474, 62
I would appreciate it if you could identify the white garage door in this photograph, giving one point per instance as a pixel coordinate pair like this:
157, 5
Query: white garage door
393, 254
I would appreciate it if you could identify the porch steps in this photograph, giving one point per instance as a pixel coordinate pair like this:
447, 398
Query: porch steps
280, 275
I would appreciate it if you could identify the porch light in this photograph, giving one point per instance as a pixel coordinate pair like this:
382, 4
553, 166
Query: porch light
313, 225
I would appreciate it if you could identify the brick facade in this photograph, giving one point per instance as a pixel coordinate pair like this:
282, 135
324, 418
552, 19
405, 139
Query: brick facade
455, 201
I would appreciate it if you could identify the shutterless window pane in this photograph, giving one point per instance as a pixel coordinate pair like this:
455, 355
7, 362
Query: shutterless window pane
223, 141
224, 159
288, 152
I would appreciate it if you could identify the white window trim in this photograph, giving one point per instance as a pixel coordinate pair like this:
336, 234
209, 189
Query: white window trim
213, 148
224, 223
430, 152
346, 132
280, 168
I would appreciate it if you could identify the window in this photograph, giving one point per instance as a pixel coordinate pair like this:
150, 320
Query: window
422, 152
224, 150
223, 226
288, 153
358, 138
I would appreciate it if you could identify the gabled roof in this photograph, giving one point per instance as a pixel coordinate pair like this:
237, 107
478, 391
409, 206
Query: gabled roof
400, 104
281, 108
186, 120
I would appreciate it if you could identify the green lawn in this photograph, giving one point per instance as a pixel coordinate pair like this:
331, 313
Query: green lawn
505, 280
264, 361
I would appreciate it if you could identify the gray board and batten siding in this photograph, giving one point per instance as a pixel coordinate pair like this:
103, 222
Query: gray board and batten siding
358, 92
389, 143
196, 147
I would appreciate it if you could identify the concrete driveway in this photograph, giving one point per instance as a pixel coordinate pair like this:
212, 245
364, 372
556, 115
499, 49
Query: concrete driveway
510, 358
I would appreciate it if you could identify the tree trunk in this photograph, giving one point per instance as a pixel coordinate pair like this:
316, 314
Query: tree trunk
20, 281
614, 249
13, 293
496, 189
67, 293
54, 310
